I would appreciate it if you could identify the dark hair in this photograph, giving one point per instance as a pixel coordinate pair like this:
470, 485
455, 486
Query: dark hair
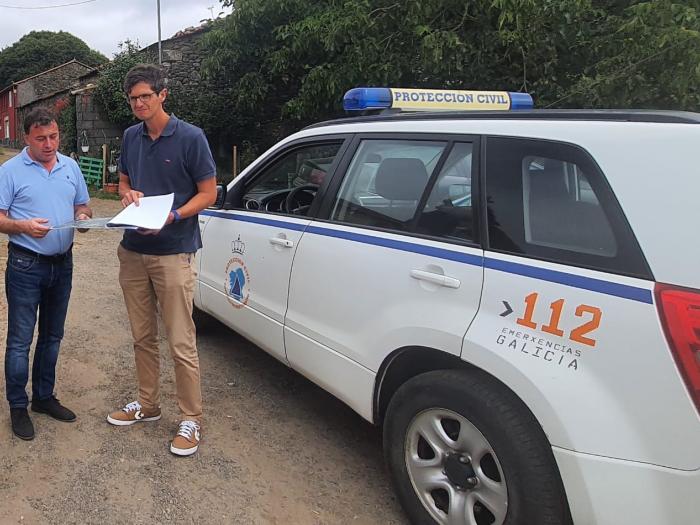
38, 117
151, 74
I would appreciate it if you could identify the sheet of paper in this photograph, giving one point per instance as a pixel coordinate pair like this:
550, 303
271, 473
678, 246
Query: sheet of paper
150, 214
95, 222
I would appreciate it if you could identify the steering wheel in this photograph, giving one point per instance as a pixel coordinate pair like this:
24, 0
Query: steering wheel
277, 197
294, 205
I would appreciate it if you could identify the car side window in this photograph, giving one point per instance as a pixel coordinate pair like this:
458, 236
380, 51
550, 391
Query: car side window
550, 201
561, 210
385, 182
448, 210
290, 183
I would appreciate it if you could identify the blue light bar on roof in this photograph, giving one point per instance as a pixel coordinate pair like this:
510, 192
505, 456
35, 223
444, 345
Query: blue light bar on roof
406, 99
520, 100
358, 99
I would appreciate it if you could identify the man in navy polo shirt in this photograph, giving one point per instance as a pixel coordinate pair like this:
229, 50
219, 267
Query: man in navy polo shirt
39, 188
161, 155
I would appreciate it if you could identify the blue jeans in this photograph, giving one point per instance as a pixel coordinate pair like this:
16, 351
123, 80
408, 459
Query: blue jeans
31, 284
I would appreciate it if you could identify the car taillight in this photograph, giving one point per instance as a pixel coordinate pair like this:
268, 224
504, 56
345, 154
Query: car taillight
680, 315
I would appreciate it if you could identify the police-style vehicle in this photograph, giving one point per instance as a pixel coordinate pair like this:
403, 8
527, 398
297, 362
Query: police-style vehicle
514, 295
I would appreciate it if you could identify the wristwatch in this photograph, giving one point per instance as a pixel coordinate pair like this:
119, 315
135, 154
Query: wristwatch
176, 215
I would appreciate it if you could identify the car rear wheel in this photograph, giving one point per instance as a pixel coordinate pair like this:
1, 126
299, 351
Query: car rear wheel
202, 320
463, 449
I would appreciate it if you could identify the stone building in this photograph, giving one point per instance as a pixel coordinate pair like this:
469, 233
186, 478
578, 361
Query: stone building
50, 88
182, 58
92, 127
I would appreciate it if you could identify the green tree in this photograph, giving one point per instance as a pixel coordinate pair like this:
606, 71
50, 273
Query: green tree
279, 64
110, 93
284, 63
645, 55
245, 67
41, 50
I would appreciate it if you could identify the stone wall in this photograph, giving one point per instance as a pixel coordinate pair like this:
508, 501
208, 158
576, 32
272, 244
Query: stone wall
182, 59
49, 82
55, 103
93, 127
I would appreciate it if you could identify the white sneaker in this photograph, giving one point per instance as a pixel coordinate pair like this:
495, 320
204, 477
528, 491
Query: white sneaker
130, 414
186, 441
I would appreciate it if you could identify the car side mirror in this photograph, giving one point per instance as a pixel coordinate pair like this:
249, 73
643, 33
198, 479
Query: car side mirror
220, 197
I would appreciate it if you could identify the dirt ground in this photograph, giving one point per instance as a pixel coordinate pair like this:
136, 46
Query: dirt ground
6, 154
276, 448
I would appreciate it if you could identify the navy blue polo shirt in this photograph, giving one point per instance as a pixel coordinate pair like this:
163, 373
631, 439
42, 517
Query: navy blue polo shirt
173, 163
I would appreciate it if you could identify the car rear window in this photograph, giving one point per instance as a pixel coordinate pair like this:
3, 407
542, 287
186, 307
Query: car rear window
551, 201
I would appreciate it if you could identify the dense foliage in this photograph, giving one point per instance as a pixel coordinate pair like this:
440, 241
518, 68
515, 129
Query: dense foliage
67, 125
41, 50
278, 64
110, 94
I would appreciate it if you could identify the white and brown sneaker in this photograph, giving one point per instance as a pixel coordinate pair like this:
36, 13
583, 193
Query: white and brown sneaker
186, 441
132, 413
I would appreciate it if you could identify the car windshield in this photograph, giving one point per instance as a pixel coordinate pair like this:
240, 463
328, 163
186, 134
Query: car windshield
301, 168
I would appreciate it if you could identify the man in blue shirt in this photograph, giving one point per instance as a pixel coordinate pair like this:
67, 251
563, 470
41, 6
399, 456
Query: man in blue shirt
39, 188
162, 155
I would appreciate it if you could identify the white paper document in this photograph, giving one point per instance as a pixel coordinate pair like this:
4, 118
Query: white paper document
150, 214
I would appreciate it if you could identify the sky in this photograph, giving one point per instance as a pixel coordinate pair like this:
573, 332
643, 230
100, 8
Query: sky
102, 24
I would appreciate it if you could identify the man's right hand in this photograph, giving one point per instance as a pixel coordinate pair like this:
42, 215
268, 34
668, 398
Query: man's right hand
131, 196
36, 227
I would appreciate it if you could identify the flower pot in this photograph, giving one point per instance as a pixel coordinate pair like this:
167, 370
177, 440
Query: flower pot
110, 187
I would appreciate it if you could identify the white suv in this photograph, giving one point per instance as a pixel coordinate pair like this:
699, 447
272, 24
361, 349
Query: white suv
514, 296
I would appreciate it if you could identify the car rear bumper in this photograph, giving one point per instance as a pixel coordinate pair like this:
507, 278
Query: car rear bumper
603, 491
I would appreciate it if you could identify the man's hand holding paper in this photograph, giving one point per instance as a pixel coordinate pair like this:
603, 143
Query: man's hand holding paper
147, 214
131, 196
144, 213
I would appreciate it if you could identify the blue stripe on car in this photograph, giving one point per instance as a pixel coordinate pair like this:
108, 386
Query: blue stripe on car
624, 291
403, 246
576, 281
256, 220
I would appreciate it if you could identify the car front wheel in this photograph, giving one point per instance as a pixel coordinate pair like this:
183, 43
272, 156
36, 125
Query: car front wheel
463, 449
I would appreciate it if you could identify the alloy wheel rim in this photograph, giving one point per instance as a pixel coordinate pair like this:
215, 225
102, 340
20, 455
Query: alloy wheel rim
454, 470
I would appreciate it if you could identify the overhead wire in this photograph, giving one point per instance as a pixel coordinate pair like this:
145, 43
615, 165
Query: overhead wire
46, 6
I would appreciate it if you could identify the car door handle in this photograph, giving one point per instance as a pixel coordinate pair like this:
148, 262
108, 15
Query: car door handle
285, 243
436, 278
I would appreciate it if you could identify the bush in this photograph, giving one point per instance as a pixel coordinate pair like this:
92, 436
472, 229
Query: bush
109, 92
67, 127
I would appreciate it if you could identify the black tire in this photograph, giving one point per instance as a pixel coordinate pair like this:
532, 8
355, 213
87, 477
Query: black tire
202, 320
535, 493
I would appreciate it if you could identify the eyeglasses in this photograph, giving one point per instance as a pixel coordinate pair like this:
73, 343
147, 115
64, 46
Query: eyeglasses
141, 98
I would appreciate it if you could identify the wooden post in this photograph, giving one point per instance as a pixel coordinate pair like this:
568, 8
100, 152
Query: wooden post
104, 165
235, 161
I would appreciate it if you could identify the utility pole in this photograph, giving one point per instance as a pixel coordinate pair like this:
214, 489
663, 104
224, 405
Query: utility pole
211, 10
160, 49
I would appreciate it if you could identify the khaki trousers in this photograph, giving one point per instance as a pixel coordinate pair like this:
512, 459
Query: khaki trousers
167, 282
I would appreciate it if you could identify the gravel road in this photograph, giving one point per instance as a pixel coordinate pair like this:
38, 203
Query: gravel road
276, 448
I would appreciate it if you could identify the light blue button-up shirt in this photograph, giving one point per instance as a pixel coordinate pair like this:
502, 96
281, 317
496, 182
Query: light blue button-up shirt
28, 190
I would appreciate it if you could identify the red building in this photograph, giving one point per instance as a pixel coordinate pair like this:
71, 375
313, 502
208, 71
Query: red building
8, 104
